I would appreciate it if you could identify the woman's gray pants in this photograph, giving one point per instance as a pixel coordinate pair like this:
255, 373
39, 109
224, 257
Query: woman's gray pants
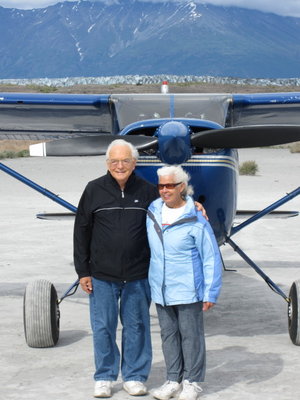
183, 342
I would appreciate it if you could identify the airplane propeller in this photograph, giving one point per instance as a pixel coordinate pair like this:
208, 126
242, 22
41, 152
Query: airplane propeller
247, 136
233, 137
89, 145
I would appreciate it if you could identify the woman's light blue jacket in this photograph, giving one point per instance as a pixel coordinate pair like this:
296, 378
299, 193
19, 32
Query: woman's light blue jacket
185, 264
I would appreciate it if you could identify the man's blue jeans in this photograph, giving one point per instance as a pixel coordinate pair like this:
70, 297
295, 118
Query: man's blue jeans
132, 301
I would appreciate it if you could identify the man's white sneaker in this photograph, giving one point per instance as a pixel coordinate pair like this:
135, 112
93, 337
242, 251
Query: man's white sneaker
190, 391
166, 391
103, 389
135, 388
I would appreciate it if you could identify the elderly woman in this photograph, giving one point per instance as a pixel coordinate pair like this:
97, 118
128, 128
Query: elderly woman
185, 279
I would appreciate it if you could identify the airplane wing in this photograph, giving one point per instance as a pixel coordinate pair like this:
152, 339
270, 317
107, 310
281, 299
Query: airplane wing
240, 215
53, 116
245, 214
88, 123
265, 109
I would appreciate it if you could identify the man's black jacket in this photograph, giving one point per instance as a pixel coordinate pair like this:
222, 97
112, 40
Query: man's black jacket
110, 237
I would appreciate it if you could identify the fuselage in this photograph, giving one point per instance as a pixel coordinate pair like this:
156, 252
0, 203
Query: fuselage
214, 179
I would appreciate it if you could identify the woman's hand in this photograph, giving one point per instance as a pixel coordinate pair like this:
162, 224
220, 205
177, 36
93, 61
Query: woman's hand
207, 305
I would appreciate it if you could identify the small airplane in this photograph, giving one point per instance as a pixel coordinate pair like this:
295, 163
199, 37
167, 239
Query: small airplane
201, 132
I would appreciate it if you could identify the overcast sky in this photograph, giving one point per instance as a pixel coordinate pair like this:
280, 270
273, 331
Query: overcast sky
282, 7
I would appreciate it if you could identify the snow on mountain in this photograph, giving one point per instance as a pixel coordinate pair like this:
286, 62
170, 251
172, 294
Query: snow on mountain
144, 38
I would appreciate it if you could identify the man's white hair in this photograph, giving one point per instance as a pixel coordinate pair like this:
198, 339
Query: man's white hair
122, 142
180, 175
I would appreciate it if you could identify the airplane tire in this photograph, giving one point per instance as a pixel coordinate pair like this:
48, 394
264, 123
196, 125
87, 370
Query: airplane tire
41, 314
294, 313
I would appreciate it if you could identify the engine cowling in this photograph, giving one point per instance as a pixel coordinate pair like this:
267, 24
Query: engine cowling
174, 144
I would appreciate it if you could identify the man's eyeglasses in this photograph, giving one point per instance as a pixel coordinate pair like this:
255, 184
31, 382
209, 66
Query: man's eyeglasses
168, 185
114, 163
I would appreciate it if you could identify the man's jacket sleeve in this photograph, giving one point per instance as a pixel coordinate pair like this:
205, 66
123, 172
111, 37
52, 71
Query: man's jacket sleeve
82, 236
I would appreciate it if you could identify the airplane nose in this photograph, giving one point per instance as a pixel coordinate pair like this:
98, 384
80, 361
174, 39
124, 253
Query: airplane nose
174, 142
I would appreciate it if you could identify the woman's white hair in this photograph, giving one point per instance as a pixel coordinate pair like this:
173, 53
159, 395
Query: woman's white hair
122, 142
180, 175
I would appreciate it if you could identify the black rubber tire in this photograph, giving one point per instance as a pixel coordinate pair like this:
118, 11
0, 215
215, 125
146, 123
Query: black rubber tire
294, 313
41, 314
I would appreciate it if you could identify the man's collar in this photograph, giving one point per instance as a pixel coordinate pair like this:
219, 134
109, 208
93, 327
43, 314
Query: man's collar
129, 180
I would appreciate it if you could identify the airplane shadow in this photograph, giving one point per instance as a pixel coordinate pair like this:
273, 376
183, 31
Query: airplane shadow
227, 367
236, 364
246, 307
69, 337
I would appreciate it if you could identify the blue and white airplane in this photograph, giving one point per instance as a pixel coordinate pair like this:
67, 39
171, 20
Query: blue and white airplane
201, 132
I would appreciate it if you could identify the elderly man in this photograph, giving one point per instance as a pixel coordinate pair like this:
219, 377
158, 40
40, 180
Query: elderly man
111, 256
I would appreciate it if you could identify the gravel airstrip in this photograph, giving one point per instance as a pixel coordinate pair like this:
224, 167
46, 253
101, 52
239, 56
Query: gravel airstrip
249, 352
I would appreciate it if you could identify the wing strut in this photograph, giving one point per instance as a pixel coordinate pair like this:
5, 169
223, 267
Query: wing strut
260, 272
267, 210
72, 289
38, 188
244, 256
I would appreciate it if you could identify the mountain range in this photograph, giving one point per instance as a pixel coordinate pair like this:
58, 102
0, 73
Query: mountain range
142, 37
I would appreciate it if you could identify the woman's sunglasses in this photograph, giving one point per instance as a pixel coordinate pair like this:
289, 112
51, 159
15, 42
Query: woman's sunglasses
168, 185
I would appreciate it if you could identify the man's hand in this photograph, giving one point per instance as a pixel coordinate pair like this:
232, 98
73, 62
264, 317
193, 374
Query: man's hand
207, 305
200, 207
86, 284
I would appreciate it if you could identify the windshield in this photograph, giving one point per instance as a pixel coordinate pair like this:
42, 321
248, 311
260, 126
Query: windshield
136, 107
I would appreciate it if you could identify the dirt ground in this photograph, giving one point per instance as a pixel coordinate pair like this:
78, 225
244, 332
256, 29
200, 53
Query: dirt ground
249, 353
151, 88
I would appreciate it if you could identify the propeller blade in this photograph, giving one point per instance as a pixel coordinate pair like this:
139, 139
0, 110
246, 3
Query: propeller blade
88, 145
247, 136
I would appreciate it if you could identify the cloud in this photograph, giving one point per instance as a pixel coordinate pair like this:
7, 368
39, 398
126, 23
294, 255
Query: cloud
28, 4
285, 8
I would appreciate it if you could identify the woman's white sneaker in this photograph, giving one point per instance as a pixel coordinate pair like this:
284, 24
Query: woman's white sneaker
103, 389
168, 390
190, 391
135, 388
